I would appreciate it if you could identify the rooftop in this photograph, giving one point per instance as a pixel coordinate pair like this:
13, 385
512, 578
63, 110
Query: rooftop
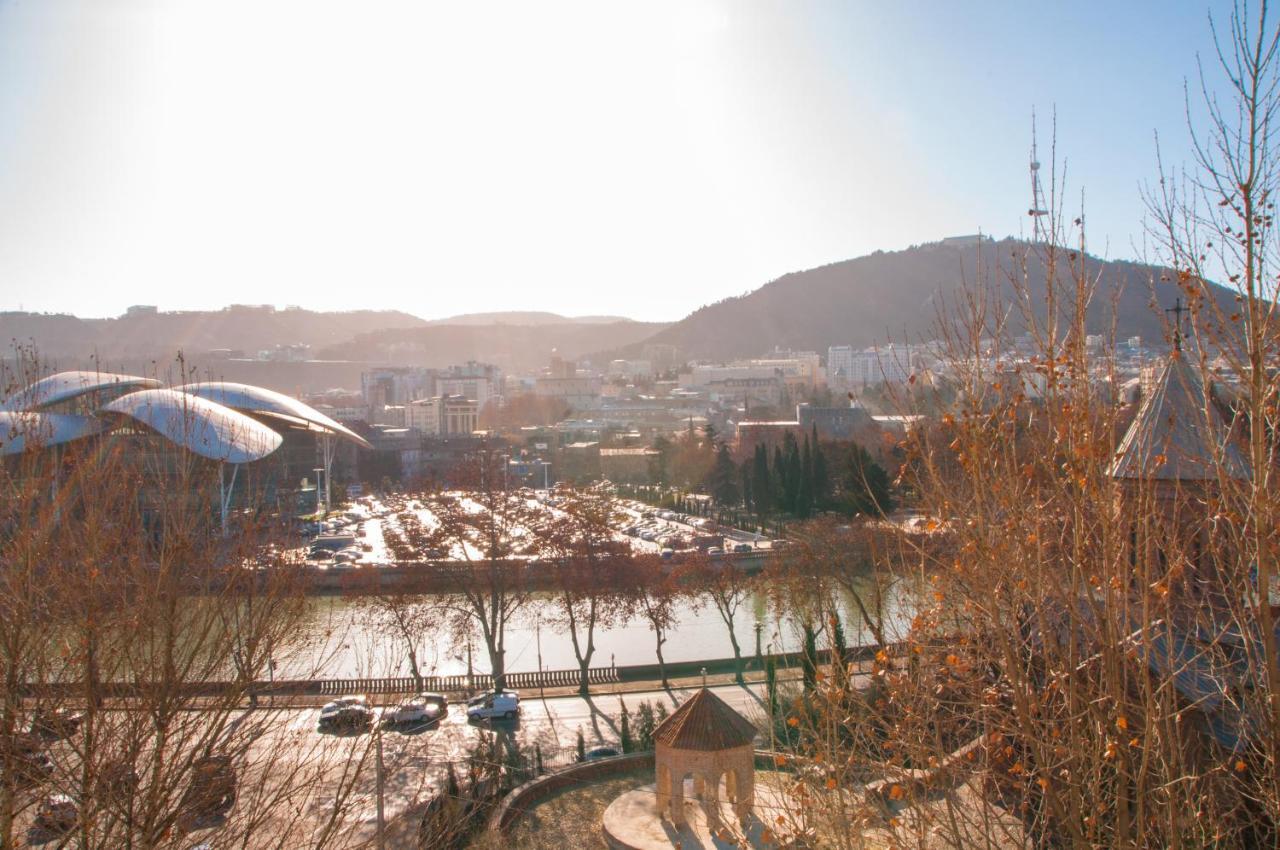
706, 724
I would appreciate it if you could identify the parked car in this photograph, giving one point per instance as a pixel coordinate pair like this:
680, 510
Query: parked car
504, 704
667, 554
57, 815
116, 783
346, 713
715, 552
424, 708
211, 792
29, 762
600, 753
742, 547
56, 724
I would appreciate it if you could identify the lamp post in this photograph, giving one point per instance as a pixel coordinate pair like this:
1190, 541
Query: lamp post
319, 470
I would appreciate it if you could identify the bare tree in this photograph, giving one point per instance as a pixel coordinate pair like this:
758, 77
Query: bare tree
487, 531
589, 567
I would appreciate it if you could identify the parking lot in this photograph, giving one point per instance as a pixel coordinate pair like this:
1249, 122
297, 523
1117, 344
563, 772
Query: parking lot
355, 535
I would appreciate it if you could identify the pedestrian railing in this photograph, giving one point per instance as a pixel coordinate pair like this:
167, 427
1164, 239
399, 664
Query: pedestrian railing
459, 684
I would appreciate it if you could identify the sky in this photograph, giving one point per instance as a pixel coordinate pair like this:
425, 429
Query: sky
639, 159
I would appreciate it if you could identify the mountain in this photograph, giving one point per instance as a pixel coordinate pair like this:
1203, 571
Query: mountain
516, 348
897, 296
530, 318
146, 334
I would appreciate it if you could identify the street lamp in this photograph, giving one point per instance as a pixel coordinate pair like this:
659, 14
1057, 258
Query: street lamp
319, 492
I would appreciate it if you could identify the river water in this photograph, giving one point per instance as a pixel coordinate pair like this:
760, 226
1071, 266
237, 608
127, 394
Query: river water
340, 640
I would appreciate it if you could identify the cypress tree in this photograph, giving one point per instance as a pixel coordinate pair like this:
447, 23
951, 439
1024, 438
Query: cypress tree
804, 492
625, 731
821, 478
791, 478
809, 659
779, 475
761, 488
839, 650
771, 683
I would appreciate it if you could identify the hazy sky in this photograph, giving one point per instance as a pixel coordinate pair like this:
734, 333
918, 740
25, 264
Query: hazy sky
639, 159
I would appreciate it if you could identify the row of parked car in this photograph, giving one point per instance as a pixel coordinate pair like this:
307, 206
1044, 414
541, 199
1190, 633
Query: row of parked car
210, 793
355, 713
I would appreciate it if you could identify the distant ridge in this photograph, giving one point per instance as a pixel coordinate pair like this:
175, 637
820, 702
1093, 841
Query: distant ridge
143, 334
516, 348
896, 296
531, 318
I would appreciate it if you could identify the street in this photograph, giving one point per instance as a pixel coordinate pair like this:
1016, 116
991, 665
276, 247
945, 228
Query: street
341, 768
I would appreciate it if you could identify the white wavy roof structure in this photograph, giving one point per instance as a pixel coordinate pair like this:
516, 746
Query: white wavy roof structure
64, 386
251, 399
22, 430
201, 426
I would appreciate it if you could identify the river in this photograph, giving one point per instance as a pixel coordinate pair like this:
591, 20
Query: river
339, 640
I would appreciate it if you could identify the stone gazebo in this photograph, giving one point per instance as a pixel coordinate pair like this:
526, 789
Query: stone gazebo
708, 739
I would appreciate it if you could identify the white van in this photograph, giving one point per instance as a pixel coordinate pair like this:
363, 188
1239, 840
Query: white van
504, 704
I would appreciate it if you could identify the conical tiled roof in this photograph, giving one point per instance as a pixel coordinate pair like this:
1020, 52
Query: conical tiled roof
1178, 435
704, 723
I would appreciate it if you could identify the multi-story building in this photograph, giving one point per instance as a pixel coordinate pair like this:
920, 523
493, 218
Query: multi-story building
847, 368
581, 392
443, 416
797, 371
396, 385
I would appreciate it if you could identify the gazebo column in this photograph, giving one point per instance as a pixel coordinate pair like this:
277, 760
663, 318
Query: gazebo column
677, 800
744, 791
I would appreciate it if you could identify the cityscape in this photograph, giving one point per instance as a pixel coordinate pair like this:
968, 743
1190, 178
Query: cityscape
342, 538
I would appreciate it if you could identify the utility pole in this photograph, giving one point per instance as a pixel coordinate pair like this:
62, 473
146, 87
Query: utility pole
382, 821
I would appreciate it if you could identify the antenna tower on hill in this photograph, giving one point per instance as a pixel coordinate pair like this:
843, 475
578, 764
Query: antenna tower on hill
1038, 211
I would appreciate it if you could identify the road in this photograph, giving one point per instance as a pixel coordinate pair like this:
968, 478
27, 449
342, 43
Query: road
416, 760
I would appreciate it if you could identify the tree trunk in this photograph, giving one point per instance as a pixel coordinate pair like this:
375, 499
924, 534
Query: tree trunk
662, 663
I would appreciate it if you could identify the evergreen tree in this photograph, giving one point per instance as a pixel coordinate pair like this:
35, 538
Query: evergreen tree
659, 466
645, 726
839, 651
582, 747
791, 477
723, 480
821, 478
865, 485
778, 474
771, 683
744, 484
761, 487
809, 659
625, 731
804, 492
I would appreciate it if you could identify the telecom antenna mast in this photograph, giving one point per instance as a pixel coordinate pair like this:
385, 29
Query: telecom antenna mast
1038, 210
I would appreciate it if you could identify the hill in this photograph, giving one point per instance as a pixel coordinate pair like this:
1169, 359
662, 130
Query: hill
516, 348
250, 329
896, 296
531, 318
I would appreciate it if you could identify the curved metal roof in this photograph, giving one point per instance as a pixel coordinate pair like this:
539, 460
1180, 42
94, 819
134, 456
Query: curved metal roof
22, 430
62, 386
271, 403
205, 427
